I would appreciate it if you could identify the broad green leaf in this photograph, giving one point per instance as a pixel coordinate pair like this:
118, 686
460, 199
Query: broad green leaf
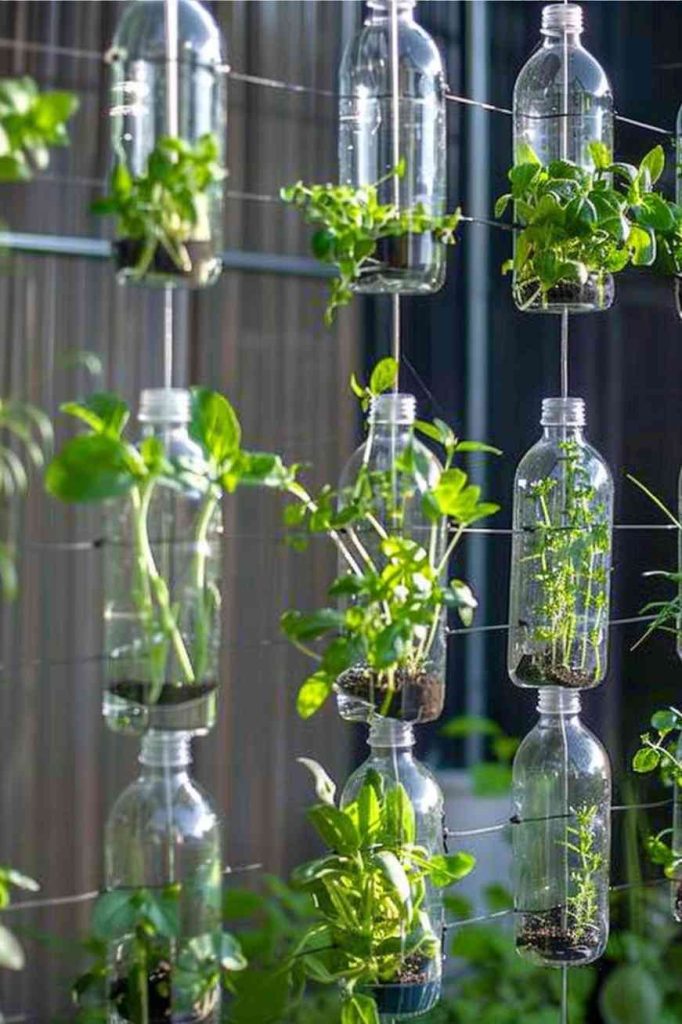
477, 446
313, 693
384, 376
369, 812
646, 760
115, 914
260, 996
92, 467
359, 1009
525, 154
666, 720
447, 868
601, 155
215, 425
654, 163
11, 954
394, 873
398, 818
19, 880
103, 412
335, 828
325, 787
163, 910
231, 956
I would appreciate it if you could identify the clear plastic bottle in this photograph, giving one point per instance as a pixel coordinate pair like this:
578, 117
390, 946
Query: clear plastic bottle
392, 762
153, 96
415, 263
160, 676
561, 794
163, 831
562, 102
417, 692
561, 556
676, 883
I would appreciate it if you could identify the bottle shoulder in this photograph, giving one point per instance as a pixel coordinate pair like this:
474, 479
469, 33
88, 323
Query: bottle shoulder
546, 746
365, 59
418, 781
381, 457
548, 455
544, 69
145, 806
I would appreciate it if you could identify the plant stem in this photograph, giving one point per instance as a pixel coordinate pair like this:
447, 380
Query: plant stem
298, 491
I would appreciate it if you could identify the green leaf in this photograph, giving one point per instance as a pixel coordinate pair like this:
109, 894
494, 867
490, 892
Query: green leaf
398, 824
601, 155
335, 828
19, 880
654, 163
215, 425
115, 914
313, 693
92, 467
477, 446
665, 721
394, 873
163, 910
448, 868
642, 242
11, 954
464, 726
369, 812
525, 154
384, 376
103, 412
231, 956
325, 788
501, 204
646, 760
359, 1009
630, 995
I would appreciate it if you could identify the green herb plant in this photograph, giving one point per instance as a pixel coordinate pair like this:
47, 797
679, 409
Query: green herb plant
370, 891
577, 223
566, 547
102, 464
395, 589
352, 223
32, 430
142, 965
167, 206
11, 952
659, 751
31, 123
582, 903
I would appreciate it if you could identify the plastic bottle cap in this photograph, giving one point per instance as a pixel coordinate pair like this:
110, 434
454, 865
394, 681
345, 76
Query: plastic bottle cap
563, 412
393, 408
165, 405
560, 18
554, 700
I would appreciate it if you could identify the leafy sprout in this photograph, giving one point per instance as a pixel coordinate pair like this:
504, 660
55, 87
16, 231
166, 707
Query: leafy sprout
576, 222
31, 122
167, 205
395, 589
582, 904
352, 221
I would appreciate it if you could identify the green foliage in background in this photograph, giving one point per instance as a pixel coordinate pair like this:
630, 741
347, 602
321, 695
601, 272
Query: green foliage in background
11, 952
31, 123
492, 776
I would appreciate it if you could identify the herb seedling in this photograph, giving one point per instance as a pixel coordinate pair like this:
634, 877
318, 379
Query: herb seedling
582, 903
396, 589
576, 224
102, 464
31, 122
144, 968
165, 210
370, 891
353, 223
11, 952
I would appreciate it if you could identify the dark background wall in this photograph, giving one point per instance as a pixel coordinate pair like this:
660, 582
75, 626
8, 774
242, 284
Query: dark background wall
469, 356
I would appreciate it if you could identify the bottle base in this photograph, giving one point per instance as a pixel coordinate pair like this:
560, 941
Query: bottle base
414, 697
162, 272
412, 264
594, 296
403, 1000
547, 940
189, 708
540, 669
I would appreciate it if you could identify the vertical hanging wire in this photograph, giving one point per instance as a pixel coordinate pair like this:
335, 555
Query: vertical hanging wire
395, 140
173, 129
564, 995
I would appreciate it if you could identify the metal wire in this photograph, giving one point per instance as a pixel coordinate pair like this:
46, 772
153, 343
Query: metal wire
501, 826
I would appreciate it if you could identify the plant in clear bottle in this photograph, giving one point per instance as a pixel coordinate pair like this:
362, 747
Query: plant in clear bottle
384, 838
562, 111
167, 126
375, 133
159, 921
162, 585
561, 794
396, 518
561, 556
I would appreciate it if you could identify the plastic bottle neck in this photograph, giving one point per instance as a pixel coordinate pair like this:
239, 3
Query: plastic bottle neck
393, 410
387, 734
563, 417
380, 10
164, 409
166, 751
556, 701
562, 24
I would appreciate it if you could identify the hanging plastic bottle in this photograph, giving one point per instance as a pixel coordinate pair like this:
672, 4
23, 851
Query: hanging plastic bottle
562, 102
162, 587
162, 845
412, 263
167, 81
561, 794
561, 556
391, 766
416, 691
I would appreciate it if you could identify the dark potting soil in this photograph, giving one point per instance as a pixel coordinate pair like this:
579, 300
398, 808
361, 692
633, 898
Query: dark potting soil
127, 253
171, 693
541, 669
159, 997
416, 698
545, 934
411, 991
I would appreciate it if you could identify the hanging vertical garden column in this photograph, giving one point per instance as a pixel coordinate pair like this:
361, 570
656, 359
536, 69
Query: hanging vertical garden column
408, 261
563, 112
167, 132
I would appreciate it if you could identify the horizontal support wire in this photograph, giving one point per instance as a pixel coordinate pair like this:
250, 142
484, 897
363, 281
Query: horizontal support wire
501, 826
